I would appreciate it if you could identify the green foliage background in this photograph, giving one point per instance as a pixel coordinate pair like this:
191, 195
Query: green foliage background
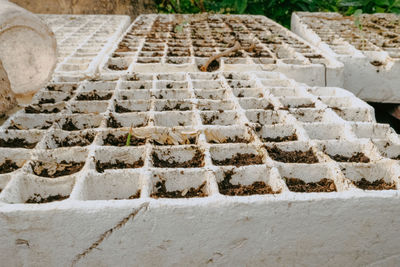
278, 10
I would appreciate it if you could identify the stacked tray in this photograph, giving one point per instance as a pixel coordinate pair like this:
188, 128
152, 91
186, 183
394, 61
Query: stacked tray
83, 40
165, 43
193, 133
368, 46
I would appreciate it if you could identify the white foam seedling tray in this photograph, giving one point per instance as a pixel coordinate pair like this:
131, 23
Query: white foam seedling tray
196, 137
185, 42
370, 54
83, 40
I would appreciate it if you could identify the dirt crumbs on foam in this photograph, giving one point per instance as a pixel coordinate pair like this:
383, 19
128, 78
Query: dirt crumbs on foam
137, 195
292, 156
161, 191
84, 140
257, 188
38, 199
101, 166
8, 166
195, 162
357, 157
298, 185
210, 120
134, 196
292, 137
375, 185
16, 143
240, 160
53, 169
112, 140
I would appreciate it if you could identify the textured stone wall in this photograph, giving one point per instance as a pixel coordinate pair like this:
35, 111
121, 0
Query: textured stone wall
132, 8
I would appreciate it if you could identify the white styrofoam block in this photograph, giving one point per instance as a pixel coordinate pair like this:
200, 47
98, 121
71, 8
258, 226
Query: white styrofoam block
106, 204
83, 41
370, 54
159, 43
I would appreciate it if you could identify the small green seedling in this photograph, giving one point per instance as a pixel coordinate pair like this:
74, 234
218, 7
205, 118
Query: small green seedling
128, 139
179, 28
357, 21
358, 24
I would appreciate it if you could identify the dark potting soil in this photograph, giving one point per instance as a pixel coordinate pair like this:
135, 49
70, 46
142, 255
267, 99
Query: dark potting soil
298, 185
101, 166
257, 188
292, 156
161, 192
240, 160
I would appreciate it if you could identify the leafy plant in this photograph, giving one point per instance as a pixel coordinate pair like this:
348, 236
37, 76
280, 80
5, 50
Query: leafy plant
371, 6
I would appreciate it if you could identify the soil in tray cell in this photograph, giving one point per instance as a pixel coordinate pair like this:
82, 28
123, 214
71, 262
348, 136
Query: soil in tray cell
176, 107
121, 109
187, 141
236, 139
123, 48
257, 188
69, 126
292, 156
195, 162
113, 123
311, 105
117, 68
46, 101
93, 96
53, 169
36, 109
16, 143
292, 137
240, 160
396, 157
298, 185
101, 166
161, 192
210, 120
84, 140
112, 140
213, 66
375, 185
356, 157
8, 166
38, 199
